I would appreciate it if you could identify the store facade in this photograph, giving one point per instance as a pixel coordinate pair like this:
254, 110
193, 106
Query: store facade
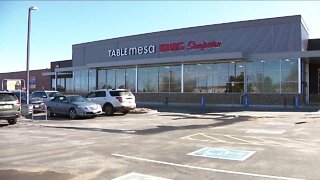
266, 61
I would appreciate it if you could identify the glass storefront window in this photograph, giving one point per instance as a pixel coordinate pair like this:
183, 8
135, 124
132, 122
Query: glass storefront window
84, 81
102, 79
130, 77
117, 78
53, 85
204, 78
190, 78
120, 80
69, 85
148, 79
92, 79
170, 79
220, 77
289, 76
77, 81
111, 79
273, 76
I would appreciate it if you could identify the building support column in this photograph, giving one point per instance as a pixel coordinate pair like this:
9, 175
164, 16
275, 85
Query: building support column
136, 83
299, 76
55, 78
182, 87
245, 83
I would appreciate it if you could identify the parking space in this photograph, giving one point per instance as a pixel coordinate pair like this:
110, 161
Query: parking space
233, 145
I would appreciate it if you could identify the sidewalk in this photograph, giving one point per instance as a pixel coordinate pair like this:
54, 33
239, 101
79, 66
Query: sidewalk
198, 108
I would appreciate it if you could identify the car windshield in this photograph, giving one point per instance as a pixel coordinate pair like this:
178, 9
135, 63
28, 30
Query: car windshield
54, 94
120, 93
7, 97
77, 99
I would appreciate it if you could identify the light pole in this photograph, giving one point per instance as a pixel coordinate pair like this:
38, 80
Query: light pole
28, 49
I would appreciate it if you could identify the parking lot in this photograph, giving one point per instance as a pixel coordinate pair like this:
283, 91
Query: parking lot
164, 145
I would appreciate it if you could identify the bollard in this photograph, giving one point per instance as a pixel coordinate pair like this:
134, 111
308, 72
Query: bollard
30, 111
203, 103
296, 102
246, 101
166, 101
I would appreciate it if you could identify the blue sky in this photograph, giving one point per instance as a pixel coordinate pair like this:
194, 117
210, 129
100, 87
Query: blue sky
59, 24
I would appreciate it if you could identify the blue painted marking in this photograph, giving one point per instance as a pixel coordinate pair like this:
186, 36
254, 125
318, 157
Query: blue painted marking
229, 154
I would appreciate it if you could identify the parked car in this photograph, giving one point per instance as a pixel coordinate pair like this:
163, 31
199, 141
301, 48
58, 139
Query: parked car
112, 100
9, 107
72, 105
38, 105
43, 95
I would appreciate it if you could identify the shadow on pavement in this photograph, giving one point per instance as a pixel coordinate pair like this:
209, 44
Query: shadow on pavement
222, 121
197, 109
23, 175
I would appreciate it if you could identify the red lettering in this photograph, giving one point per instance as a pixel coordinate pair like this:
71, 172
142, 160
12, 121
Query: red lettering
204, 45
178, 46
164, 47
171, 47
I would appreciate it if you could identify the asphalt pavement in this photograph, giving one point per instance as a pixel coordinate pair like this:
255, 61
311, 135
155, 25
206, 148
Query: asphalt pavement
164, 145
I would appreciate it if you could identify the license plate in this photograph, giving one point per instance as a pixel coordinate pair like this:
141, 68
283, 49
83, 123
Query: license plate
6, 107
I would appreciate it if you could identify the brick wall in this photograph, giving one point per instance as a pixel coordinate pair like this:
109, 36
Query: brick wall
42, 82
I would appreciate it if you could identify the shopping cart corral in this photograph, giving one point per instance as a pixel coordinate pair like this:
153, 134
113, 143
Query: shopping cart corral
34, 111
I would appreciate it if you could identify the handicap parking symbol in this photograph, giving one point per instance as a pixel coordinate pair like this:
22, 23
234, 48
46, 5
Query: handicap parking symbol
228, 154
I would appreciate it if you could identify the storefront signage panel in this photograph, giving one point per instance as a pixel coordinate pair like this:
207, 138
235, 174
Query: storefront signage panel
164, 47
192, 45
132, 51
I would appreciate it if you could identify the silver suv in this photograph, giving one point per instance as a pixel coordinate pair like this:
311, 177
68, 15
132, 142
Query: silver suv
43, 96
9, 107
112, 100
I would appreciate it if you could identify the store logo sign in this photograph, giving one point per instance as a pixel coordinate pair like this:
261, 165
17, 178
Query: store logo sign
192, 45
140, 50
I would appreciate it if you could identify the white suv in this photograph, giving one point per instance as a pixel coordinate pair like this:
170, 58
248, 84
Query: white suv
112, 100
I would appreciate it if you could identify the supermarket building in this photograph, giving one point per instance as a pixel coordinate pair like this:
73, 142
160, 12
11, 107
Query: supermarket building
269, 61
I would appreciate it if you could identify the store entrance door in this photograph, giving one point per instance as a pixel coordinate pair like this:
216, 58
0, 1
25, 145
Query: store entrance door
314, 80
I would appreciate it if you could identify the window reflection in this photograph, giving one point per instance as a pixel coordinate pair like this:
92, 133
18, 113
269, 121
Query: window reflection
215, 78
170, 79
263, 76
130, 77
273, 76
111, 79
92, 79
102, 79
148, 79
120, 80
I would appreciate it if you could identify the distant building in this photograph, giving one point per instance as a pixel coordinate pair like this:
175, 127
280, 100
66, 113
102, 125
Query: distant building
37, 81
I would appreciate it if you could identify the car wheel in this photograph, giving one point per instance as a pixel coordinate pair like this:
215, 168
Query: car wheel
109, 110
12, 121
49, 112
72, 113
125, 111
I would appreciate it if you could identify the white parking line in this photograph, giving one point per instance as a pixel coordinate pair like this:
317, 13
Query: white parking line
217, 140
249, 142
205, 169
253, 140
265, 131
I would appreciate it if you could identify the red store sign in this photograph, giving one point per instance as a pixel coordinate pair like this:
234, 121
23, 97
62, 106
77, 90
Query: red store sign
192, 45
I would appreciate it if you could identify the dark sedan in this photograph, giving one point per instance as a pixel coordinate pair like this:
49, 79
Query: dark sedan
73, 105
